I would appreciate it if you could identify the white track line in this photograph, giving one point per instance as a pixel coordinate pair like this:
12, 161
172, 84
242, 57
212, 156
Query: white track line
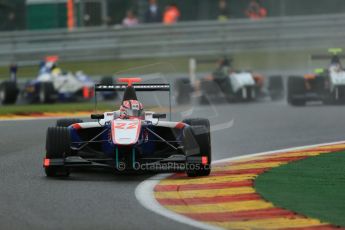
145, 195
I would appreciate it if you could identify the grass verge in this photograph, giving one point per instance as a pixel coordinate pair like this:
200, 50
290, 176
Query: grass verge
277, 60
313, 187
53, 108
100, 68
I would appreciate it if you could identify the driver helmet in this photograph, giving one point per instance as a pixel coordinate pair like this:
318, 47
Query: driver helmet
131, 108
335, 60
335, 64
56, 72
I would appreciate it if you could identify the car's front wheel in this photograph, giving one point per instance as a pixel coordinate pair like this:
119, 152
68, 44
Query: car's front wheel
202, 137
67, 122
58, 146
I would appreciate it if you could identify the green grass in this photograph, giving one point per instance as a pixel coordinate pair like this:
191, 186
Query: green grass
284, 60
58, 107
314, 187
102, 68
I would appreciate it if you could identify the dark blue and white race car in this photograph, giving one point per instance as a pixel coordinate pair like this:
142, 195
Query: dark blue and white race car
129, 139
53, 85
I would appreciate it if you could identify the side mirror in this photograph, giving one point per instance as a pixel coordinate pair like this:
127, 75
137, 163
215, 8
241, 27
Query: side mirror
159, 115
97, 116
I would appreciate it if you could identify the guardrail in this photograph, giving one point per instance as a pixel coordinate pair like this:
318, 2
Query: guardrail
189, 38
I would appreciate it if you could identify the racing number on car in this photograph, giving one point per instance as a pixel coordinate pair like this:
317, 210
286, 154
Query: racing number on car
126, 126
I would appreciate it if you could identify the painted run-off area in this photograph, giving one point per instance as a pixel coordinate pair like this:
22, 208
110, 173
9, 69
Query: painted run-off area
314, 186
229, 199
38, 109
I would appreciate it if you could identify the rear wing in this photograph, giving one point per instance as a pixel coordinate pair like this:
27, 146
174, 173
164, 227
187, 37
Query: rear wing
324, 56
137, 87
333, 52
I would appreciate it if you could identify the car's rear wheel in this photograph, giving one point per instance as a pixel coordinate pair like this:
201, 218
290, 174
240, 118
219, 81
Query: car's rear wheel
203, 100
209, 90
276, 87
248, 93
8, 93
67, 122
183, 91
58, 146
296, 87
202, 137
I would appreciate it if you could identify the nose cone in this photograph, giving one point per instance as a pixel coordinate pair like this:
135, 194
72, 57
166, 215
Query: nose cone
125, 132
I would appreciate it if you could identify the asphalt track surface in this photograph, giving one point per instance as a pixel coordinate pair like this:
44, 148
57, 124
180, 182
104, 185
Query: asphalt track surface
100, 200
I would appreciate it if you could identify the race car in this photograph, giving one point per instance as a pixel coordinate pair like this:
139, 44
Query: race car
225, 84
325, 85
129, 139
52, 84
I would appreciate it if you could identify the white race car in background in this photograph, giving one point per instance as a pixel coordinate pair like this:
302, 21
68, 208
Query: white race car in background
227, 85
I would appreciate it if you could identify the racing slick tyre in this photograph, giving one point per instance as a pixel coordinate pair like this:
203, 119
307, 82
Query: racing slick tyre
276, 87
58, 142
47, 93
248, 93
203, 140
183, 91
203, 100
335, 97
296, 87
341, 94
108, 95
67, 122
8, 93
209, 89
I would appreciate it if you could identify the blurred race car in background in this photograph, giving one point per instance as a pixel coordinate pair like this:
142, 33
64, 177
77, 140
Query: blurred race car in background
51, 85
226, 84
129, 139
325, 85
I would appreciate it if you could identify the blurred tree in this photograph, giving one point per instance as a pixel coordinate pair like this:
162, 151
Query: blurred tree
117, 10
44, 14
12, 14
